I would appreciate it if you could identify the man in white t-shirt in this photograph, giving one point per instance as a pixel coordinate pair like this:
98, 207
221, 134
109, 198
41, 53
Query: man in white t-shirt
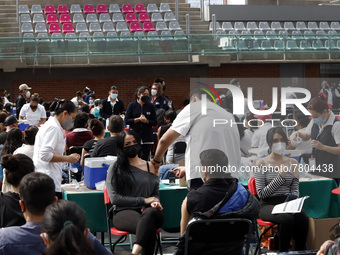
78, 99
33, 112
201, 134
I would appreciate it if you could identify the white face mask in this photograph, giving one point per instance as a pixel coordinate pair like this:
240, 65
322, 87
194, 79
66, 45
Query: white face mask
279, 148
153, 92
28, 94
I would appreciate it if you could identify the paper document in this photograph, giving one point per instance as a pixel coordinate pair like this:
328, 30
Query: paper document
294, 206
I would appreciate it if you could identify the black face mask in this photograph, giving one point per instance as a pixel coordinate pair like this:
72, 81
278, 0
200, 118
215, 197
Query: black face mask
33, 107
145, 99
132, 151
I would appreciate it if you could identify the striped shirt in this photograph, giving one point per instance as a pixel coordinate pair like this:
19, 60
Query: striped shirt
270, 183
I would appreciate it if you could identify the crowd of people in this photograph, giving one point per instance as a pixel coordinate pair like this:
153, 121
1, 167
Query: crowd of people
144, 136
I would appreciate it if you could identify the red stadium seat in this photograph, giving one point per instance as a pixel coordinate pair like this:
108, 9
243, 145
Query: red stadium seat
143, 17
67, 28
51, 18
130, 17
101, 8
127, 8
148, 26
49, 9
65, 18
139, 8
88, 8
135, 27
62, 9
54, 28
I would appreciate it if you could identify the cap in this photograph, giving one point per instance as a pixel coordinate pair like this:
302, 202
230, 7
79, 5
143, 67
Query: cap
8, 107
263, 117
24, 86
10, 120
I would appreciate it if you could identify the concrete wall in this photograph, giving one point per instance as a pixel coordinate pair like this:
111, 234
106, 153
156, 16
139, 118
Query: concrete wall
275, 12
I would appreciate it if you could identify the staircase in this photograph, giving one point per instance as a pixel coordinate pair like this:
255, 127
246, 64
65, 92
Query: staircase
196, 25
9, 26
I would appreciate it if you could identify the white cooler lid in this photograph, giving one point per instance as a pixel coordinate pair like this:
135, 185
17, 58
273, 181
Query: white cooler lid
98, 162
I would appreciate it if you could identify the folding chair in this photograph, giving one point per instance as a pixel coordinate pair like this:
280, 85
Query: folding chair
252, 189
218, 236
123, 234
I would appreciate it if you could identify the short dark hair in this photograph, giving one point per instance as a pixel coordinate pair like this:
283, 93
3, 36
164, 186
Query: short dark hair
16, 167
85, 108
114, 88
301, 117
37, 191
30, 133
159, 80
79, 93
116, 124
8, 107
275, 130
35, 99
59, 106
80, 121
212, 158
170, 115
141, 90
97, 127
93, 96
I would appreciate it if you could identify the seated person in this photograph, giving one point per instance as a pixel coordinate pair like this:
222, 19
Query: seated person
37, 191
221, 196
133, 190
29, 138
277, 181
65, 231
330, 247
16, 167
98, 131
107, 146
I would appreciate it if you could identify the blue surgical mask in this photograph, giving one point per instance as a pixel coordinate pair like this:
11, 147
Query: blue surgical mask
91, 101
114, 96
319, 121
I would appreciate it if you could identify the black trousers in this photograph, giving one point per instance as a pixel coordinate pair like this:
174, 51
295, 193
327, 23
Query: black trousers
291, 225
143, 225
146, 148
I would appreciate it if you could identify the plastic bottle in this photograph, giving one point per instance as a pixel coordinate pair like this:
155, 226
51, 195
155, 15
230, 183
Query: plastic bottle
303, 172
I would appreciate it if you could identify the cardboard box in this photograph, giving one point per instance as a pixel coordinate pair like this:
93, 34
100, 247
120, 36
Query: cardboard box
321, 230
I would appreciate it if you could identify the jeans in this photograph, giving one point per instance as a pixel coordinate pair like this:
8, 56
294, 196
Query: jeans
164, 172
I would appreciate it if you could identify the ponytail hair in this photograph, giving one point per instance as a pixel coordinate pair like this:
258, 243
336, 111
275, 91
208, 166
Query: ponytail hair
59, 106
318, 104
65, 224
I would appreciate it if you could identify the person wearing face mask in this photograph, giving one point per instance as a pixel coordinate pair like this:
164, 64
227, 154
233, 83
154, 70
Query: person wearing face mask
141, 116
87, 94
324, 131
33, 112
23, 97
133, 190
50, 143
327, 89
7, 96
78, 99
277, 181
158, 101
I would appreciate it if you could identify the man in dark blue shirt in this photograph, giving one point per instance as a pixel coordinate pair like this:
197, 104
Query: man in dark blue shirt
111, 105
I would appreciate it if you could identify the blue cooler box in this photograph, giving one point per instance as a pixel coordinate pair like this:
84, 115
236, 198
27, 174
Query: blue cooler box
95, 170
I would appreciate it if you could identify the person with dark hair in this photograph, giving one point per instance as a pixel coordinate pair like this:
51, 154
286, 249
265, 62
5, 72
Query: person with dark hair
50, 145
87, 93
13, 141
212, 200
324, 131
133, 190
92, 97
78, 99
7, 96
65, 231
277, 181
327, 89
10, 122
3, 116
46, 106
80, 134
29, 138
8, 108
157, 99
141, 116
302, 122
111, 105
33, 112
107, 146
98, 131
95, 110
23, 98
85, 108
37, 192
15, 168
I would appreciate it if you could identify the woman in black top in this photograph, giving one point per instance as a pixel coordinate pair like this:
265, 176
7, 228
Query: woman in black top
133, 190
16, 167
158, 100
141, 116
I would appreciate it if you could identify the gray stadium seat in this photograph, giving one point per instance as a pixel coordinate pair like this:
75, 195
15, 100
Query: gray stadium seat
259, 35
28, 37
227, 26
152, 35
329, 44
318, 45
300, 25
84, 36
239, 26
36, 9
152, 8
108, 27
271, 35
291, 45
25, 18
288, 25
112, 36
333, 34
164, 7
71, 37
218, 27
156, 16
78, 18
23, 9
246, 35
174, 25
117, 17
56, 37
279, 45
324, 25
139, 35
179, 35
169, 16
121, 26
40, 28
91, 17
114, 8
42, 37
126, 36
104, 17
26, 28
81, 27
283, 34
38, 18
95, 27
297, 35
75, 8
98, 36
335, 25
276, 25
251, 25
263, 25
312, 25
309, 35
321, 35
161, 26
266, 45
166, 35
305, 45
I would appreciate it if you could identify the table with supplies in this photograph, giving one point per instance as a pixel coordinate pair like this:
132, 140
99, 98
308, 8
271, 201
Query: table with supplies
92, 201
